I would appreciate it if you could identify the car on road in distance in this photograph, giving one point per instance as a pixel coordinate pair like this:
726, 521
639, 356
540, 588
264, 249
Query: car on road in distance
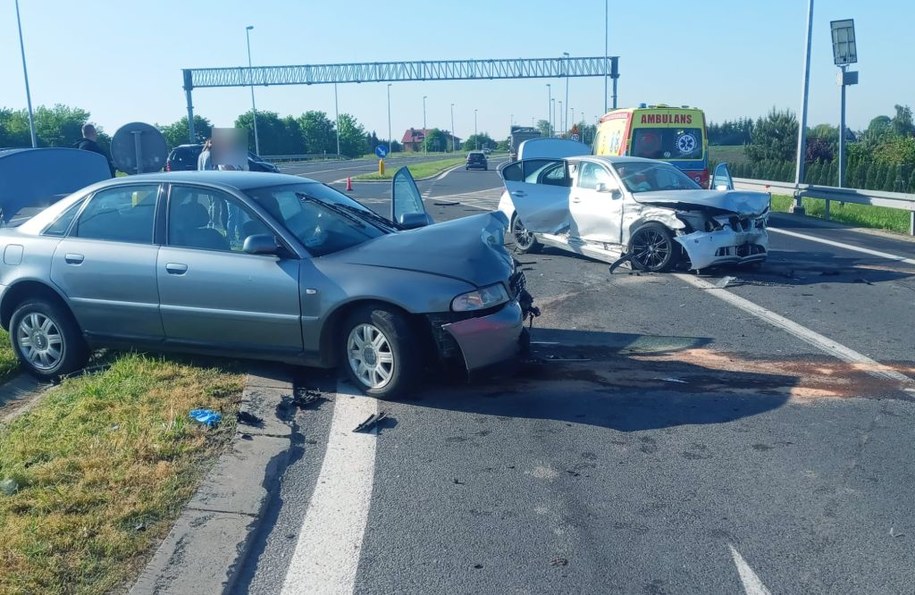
476, 160
301, 274
643, 211
184, 158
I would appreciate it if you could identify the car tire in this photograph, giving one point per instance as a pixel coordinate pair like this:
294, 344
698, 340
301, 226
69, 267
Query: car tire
47, 340
653, 249
525, 242
379, 352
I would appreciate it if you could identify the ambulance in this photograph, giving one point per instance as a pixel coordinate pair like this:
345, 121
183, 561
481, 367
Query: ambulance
673, 134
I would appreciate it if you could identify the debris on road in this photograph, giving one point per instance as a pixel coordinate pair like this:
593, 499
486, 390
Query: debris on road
207, 417
894, 534
458, 482
303, 398
619, 261
371, 422
249, 419
559, 562
725, 281
673, 380
446, 203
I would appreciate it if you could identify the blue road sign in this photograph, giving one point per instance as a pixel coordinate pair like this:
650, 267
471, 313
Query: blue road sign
381, 151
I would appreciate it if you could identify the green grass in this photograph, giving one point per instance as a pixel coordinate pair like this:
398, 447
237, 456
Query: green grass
104, 464
418, 170
9, 365
895, 220
727, 154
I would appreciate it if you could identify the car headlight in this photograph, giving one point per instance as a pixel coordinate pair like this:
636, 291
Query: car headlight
486, 297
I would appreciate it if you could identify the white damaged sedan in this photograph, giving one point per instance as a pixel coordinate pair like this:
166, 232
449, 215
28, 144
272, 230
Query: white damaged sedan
643, 211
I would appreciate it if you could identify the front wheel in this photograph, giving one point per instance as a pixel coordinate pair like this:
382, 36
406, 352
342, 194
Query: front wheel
525, 242
652, 248
47, 340
379, 352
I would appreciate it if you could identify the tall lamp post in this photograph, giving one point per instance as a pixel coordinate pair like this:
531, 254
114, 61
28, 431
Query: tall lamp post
424, 123
798, 206
390, 138
549, 109
452, 128
257, 144
565, 115
552, 114
844, 52
476, 137
25, 72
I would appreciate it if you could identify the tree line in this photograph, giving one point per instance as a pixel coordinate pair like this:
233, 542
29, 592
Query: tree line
881, 157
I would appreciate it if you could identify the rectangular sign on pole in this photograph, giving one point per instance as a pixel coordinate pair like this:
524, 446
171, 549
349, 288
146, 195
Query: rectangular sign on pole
844, 48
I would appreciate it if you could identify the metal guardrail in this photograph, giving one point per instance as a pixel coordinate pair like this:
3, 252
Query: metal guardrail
893, 200
304, 157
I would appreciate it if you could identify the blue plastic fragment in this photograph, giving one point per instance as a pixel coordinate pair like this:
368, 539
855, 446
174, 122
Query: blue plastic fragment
208, 417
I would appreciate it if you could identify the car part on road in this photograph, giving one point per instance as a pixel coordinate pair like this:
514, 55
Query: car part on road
380, 352
371, 422
652, 248
46, 339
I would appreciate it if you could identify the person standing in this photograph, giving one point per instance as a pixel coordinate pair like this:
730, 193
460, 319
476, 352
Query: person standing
89, 142
205, 160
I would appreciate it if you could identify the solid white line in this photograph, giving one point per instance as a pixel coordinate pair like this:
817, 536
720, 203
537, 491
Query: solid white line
826, 344
887, 255
327, 554
751, 583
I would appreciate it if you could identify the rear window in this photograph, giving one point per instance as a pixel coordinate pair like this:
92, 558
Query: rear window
667, 143
185, 156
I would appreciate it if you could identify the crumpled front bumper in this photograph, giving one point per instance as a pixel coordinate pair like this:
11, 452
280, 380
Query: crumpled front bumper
489, 339
724, 246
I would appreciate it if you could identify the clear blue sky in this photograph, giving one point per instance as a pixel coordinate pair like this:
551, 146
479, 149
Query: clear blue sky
122, 60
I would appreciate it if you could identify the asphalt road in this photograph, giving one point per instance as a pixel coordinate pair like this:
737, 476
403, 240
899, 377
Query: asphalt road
679, 438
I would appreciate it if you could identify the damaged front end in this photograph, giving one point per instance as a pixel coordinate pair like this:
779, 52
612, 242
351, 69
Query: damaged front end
713, 237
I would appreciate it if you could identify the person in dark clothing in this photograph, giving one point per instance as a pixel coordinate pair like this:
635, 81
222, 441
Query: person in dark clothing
89, 142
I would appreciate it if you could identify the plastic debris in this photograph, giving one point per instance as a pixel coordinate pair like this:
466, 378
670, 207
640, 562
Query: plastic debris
9, 487
724, 282
207, 417
249, 419
673, 380
371, 422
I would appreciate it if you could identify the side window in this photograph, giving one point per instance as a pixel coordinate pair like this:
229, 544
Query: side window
512, 172
209, 220
122, 214
62, 223
592, 174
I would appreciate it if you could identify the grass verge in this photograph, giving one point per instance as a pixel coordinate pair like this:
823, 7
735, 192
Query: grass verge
9, 365
104, 465
418, 170
895, 220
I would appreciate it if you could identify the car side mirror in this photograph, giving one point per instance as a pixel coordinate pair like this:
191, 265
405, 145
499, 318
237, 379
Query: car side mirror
413, 220
262, 243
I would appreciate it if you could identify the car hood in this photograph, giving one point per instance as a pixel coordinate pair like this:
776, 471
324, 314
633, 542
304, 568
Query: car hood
469, 249
734, 201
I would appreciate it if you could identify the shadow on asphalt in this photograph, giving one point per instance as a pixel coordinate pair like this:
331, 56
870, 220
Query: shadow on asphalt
620, 381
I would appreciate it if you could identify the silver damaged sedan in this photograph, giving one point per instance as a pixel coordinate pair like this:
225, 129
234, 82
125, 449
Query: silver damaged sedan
263, 266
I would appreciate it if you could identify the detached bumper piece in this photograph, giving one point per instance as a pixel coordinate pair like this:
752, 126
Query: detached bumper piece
490, 339
711, 248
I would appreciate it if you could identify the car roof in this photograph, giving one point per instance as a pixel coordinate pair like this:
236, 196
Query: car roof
615, 159
243, 180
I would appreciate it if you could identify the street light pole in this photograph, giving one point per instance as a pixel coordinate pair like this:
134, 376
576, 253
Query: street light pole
257, 144
476, 137
798, 206
607, 48
549, 110
452, 128
25, 72
560, 118
390, 138
565, 115
552, 115
424, 123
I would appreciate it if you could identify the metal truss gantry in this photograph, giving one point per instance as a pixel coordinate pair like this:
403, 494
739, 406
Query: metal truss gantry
377, 72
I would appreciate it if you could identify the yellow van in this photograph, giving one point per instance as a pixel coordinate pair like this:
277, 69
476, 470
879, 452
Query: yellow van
673, 134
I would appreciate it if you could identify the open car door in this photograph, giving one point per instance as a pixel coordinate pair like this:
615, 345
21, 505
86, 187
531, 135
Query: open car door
539, 190
407, 208
721, 179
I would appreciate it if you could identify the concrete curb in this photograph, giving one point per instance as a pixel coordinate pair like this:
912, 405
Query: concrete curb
205, 549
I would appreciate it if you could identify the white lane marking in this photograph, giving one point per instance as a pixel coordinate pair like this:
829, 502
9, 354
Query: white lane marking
751, 583
327, 554
445, 173
802, 236
826, 344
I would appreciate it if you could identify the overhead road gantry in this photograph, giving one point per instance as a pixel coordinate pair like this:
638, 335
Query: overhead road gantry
378, 72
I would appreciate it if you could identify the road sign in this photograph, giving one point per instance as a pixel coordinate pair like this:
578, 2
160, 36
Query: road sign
381, 151
574, 137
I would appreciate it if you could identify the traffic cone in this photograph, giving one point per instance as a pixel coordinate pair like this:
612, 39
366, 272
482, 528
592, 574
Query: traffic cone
349, 184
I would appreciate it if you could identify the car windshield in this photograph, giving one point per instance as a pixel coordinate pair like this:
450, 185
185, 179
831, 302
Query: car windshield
323, 219
645, 176
667, 143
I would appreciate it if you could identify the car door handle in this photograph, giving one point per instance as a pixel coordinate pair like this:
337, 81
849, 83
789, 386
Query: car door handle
175, 268
519, 193
576, 199
71, 258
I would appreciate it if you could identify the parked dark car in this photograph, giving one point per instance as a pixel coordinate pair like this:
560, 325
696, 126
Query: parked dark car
476, 159
184, 158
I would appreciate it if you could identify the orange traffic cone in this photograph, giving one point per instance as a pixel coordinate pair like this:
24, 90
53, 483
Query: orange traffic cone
349, 184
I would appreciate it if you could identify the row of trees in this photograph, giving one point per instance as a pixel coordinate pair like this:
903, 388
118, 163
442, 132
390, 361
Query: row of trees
57, 126
881, 157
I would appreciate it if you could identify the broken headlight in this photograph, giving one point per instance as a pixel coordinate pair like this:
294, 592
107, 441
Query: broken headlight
695, 221
486, 297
